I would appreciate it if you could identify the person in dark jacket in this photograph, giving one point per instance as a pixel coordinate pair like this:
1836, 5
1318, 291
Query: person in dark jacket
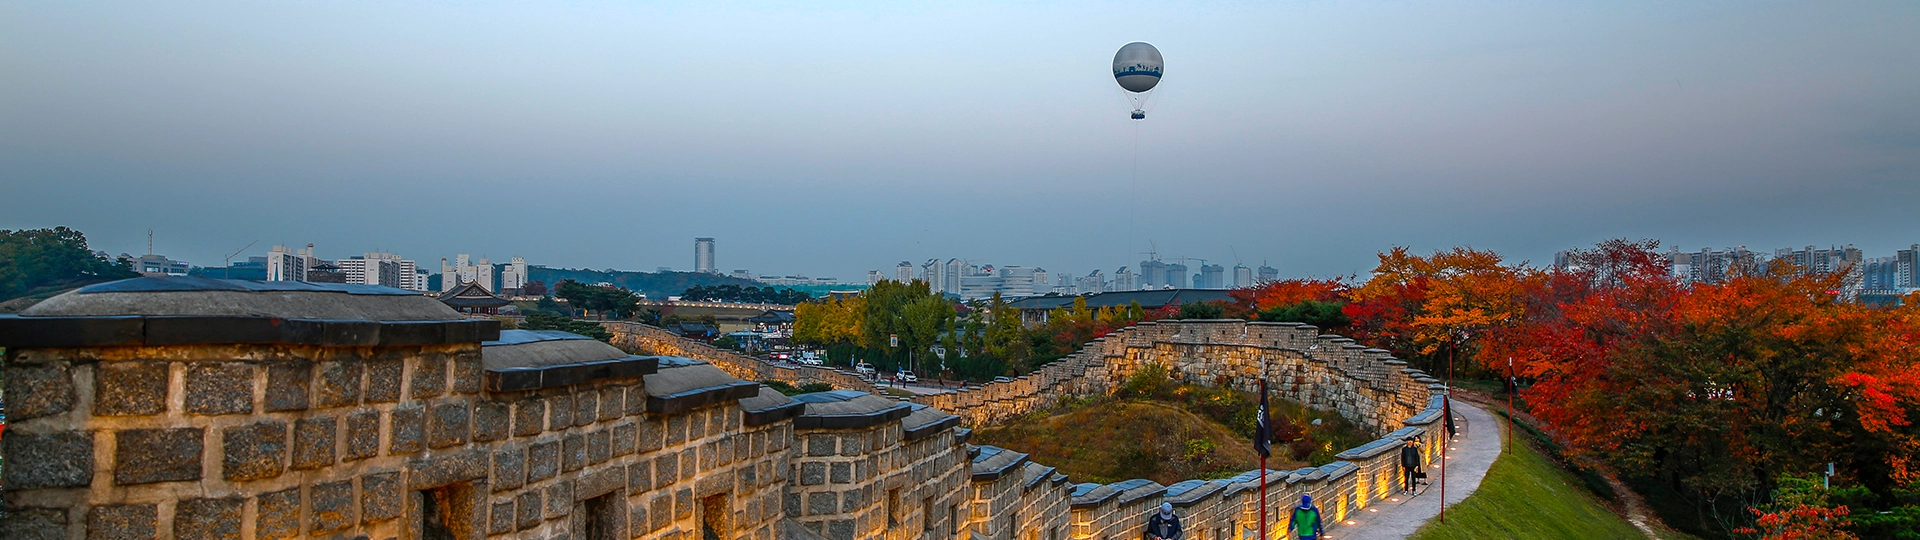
1164, 525
1410, 464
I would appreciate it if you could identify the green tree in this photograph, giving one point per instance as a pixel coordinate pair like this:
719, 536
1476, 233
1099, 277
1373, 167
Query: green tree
1005, 337
1326, 315
57, 257
1202, 310
616, 302
546, 321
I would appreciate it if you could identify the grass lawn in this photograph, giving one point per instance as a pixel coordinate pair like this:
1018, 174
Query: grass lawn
1525, 496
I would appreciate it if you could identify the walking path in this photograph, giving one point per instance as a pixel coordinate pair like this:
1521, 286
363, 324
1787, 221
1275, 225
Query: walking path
1472, 453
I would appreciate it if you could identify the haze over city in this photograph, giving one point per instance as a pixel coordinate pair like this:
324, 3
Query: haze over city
831, 140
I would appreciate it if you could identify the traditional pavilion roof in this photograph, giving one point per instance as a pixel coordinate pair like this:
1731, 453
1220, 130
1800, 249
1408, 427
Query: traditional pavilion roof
472, 295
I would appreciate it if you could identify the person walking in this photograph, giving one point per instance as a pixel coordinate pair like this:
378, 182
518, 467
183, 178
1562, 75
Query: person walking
1410, 465
1164, 525
1305, 522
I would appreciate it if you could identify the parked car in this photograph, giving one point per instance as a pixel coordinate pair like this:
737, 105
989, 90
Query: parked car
1003, 379
864, 369
906, 377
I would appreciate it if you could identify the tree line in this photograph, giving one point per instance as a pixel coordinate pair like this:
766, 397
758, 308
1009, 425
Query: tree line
33, 260
1716, 400
746, 295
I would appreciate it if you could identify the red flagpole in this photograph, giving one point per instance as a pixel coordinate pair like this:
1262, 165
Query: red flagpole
1263, 497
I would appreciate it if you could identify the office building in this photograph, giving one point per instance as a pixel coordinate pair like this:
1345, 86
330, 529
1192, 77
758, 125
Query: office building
157, 265
703, 256
743, 274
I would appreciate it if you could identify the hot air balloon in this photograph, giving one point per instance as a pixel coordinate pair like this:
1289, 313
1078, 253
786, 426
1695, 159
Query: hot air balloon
1137, 67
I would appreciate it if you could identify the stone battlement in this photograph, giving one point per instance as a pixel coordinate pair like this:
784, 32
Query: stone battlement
177, 408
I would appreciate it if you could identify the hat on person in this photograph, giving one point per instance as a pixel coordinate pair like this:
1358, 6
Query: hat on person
1306, 501
1166, 509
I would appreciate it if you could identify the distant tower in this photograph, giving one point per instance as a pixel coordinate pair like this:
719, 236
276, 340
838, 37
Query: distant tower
1242, 276
703, 256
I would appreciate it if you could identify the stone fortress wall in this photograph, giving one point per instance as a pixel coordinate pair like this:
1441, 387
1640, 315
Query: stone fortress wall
187, 408
1331, 372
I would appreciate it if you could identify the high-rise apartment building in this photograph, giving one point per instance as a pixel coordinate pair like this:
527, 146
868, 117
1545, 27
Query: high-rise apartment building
1176, 276
903, 272
1042, 282
874, 276
1907, 267
1709, 266
375, 268
513, 276
1212, 276
1153, 274
1242, 276
1123, 280
289, 265
1092, 283
466, 270
934, 274
1268, 273
703, 256
955, 268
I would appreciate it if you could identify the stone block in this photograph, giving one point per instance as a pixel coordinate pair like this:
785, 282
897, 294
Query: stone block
559, 499
822, 503
652, 437
500, 519
509, 469
34, 524
123, 522
363, 436
491, 419
383, 378
820, 445
613, 403
527, 510
447, 469
219, 388
529, 417
636, 401
683, 504
543, 461
287, 385
313, 440
696, 426
599, 449
842, 473
253, 452
448, 425
586, 407
145, 456
676, 429
840, 529
277, 515
599, 482
573, 453
211, 519
623, 439
813, 474
429, 377
332, 506
852, 500
406, 430
48, 460
119, 388
661, 508
379, 497
338, 384
559, 411
467, 373
666, 470
853, 445
640, 477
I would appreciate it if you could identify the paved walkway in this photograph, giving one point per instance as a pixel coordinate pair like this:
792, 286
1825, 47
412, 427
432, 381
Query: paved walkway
1472, 454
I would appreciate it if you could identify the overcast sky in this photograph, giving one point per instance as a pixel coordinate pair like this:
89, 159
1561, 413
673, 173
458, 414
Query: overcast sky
830, 140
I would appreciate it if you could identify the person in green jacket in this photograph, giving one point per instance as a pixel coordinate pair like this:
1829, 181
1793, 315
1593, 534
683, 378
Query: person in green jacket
1305, 522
